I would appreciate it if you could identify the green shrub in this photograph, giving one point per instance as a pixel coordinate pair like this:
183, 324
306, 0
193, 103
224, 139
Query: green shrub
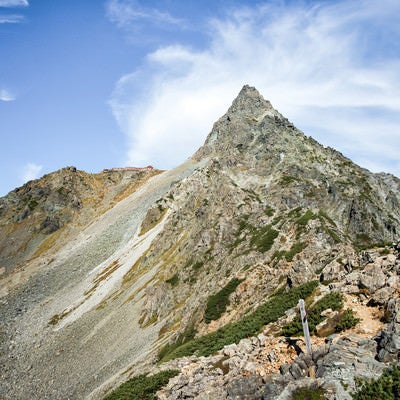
363, 238
32, 205
174, 280
277, 219
372, 245
269, 211
347, 320
268, 312
295, 212
323, 214
305, 218
217, 303
289, 255
287, 180
295, 249
333, 235
142, 387
197, 265
332, 300
184, 337
263, 238
386, 387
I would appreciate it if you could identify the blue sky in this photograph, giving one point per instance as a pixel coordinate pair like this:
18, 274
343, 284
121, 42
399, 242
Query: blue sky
98, 84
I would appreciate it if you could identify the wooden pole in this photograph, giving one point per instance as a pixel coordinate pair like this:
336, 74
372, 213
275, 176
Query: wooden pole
306, 331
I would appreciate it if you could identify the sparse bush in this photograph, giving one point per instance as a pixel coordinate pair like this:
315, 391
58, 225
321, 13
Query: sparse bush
174, 280
347, 320
295, 212
32, 204
287, 180
332, 300
142, 387
295, 249
327, 217
372, 245
386, 387
289, 255
269, 211
184, 337
197, 265
277, 219
217, 303
305, 218
333, 235
263, 238
363, 238
268, 312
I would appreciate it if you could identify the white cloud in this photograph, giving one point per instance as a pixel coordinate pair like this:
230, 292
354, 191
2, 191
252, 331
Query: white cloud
11, 19
331, 68
30, 171
14, 3
127, 12
5, 95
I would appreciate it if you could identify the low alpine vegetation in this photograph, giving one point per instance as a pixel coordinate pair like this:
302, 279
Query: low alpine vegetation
386, 387
248, 326
142, 387
344, 320
216, 304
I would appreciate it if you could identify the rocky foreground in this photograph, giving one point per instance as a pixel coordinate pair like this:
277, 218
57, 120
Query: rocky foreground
273, 367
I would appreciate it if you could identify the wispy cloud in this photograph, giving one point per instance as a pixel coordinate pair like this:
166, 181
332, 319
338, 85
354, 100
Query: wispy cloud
127, 12
330, 67
11, 19
5, 95
30, 171
14, 3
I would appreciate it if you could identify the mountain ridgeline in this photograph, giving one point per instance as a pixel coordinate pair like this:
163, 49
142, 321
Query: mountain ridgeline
104, 275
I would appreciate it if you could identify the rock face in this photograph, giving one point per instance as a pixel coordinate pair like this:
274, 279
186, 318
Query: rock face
120, 264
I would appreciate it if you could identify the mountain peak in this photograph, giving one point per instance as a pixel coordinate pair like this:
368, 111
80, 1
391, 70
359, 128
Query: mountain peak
250, 101
241, 126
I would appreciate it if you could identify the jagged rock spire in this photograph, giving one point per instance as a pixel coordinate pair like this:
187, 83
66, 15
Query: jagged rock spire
241, 126
251, 103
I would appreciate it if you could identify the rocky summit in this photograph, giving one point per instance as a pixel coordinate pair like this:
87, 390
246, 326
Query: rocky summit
188, 280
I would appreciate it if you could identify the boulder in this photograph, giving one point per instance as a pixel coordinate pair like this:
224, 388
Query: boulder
389, 341
246, 388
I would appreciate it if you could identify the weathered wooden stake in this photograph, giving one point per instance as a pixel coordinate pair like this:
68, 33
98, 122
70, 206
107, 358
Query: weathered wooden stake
306, 331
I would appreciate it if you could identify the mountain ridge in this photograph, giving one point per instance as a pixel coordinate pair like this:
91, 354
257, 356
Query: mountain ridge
259, 204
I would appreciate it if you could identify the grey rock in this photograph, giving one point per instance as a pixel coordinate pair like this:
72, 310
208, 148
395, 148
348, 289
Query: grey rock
273, 389
297, 371
245, 346
246, 388
389, 341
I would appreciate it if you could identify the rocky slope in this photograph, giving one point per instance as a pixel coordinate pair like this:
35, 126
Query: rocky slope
259, 207
45, 213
